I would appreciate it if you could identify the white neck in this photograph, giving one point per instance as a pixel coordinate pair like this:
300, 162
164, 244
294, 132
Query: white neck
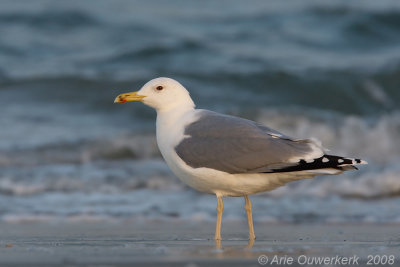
175, 106
171, 126
167, 118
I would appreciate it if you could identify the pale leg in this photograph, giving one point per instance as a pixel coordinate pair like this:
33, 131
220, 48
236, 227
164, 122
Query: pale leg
250, 243
247, 206
220, 208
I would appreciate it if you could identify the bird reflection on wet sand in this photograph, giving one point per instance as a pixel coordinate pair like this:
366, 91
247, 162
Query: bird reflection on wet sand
218, 244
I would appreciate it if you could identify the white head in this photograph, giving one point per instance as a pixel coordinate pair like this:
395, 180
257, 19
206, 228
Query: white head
160, 93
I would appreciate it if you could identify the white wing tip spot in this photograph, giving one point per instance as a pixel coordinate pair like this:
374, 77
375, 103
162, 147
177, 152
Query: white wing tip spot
274, 135
358, 161
340, 161
325, 160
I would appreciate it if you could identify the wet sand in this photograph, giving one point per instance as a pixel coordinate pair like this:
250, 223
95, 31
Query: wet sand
189, 244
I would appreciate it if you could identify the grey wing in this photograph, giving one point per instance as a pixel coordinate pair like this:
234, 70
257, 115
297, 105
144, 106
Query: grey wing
237, 145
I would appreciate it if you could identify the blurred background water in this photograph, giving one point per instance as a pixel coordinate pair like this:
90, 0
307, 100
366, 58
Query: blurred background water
329, 70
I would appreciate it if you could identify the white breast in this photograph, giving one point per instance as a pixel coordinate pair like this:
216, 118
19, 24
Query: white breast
170, 131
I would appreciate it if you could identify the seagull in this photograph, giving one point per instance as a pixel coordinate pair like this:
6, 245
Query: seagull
226, 155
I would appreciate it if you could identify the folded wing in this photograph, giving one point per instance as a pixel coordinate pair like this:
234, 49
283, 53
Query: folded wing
236, 145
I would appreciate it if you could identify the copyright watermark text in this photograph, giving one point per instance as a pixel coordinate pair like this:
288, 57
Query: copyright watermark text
325, 260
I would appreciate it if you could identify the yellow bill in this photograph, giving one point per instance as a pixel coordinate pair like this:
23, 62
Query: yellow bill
133, 96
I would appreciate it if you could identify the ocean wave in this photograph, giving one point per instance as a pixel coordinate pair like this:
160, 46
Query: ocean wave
50, 19
130, 162
100, 176
324, 70
123, 147
341, 91
146, 205
371, 138
374, 140
156, 50
361, 15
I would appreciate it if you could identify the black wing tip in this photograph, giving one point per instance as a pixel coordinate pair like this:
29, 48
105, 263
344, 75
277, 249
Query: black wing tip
324, 162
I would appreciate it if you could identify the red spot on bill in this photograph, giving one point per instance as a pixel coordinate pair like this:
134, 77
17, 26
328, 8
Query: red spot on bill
122, 100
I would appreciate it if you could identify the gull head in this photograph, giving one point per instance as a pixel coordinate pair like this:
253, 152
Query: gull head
160, 93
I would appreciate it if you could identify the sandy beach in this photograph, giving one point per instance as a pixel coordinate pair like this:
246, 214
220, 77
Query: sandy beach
190, 244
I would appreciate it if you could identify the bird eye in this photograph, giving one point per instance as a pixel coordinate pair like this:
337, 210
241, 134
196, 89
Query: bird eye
159, 88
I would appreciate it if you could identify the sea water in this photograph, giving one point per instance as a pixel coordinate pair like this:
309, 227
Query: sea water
327, 70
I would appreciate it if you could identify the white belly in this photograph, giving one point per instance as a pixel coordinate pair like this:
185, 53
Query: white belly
224, 184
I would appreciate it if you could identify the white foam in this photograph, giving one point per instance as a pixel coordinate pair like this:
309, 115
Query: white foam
351, 136
93, 179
